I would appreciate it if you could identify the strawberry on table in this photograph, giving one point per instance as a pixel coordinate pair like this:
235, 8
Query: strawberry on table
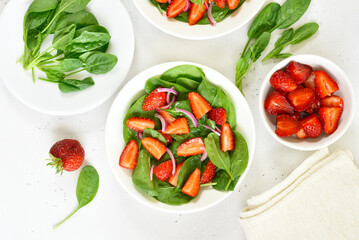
67, 155
287, 126
199, 105
179, 126
169, 119
166, 136
227, 142
196, 12
218, 115
163, 171
209, 173
220, 3
129, 156
283, 81
193, 183
277, 104
330, 117
300, 72
139, 124
312, 125
332, 101
301, 99
324, 84
191, 147
175, 8
154, 147
154, 100
173, 179
232, 4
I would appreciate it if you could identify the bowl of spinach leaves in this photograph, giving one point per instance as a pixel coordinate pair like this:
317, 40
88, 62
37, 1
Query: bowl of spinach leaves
231, 166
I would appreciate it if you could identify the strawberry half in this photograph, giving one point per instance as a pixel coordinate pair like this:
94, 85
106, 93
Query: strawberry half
175, 8
218, 115
277, 104
179, 126
300, 72
199, 104
296, 115
220, 3
209, 173
330, 116
332, 101
301, 99
309, 83
301, 134
173, 179
191, 187
139, 124
129, 155
283, 81
232, 4
324, 85
166, 136
154, 147
169, 119
196, 12
154, 100
191, 147
227, 142
313, 107
312, 125
287, 126
163, 171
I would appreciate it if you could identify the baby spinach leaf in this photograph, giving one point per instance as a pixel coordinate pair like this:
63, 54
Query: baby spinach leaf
72, 6
183, 71
285, 38
69, 64
207, 90
86, 190
88, 41
290, 12
36, 19
260, 45
148, 132
94, 28
304, 32
187, 83
224, 182
84, 56
239, 156
187, 168
80, 19
171, 195
63, 37
42, 5
199, 2
160, 6
100, 63
73, 85
222, 101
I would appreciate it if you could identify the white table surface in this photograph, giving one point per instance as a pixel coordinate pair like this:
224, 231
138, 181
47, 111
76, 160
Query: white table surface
33, 198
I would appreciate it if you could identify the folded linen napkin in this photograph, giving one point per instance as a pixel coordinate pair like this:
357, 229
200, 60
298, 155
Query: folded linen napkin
318, 200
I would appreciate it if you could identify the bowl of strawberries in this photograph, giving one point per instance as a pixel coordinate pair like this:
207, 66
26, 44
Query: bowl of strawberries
306, 102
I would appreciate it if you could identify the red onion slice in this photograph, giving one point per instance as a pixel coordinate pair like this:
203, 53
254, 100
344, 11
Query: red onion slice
218, 130
173, 161
139, 135
209, 14
204, 155
206, 4
168, 96
212, 130
188, 6
163, 122
151, 171
190, 115
170, 104
168, 90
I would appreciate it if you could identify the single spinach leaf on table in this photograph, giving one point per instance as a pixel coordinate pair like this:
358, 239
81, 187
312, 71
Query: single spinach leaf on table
280, 44
260, 45
100, 63
290, 12
74, 85
80, 19
148, 132
183, 71
304, 32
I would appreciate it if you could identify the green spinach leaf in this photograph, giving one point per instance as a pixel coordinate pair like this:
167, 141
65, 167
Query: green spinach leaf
290, 12
148, 132
100, 63
73, 85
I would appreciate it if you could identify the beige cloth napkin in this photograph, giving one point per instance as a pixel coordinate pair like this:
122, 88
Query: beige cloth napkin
318, 200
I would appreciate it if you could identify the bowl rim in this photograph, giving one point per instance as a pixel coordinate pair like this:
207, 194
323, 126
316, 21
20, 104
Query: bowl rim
297, 145
143, 200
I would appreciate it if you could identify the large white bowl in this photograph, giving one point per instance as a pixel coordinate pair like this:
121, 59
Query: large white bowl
115, 143
345, 92
199, 32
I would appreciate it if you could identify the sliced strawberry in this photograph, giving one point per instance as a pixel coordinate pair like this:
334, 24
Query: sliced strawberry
196, 12
173, 179
191, 187
139, 124
296, 115
220, 3
169, 119
309, 83
277, 104
313, 107
175, 8
301, 99
199, 104
166, 136
191, 147
332, 101
154, 100
209, 173
330, 117
287, 126
163, 171
227, 142
301, 134
129, 155
218, 115
312, 125
324, 85
283, 81
300, 72
154, 146
179, 126
232, 4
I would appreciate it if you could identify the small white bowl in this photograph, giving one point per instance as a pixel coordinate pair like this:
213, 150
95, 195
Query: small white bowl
345, 92
115, 143
199, 32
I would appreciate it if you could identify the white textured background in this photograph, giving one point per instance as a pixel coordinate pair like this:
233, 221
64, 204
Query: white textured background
32, 198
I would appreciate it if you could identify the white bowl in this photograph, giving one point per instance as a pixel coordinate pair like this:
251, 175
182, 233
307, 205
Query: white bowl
345, 92
115, 143
199, 32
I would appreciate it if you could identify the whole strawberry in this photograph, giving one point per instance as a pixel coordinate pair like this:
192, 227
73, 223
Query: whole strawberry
67, 155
